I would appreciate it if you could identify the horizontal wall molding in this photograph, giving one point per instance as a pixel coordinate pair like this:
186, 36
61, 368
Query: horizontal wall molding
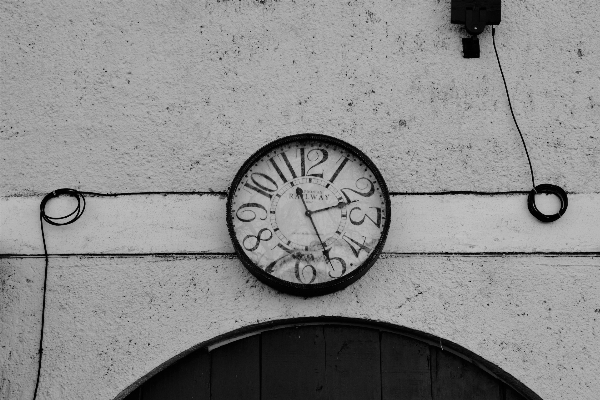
204, 256
179, 224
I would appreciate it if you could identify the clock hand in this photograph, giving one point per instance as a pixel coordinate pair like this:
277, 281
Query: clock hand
299, 193
341, 204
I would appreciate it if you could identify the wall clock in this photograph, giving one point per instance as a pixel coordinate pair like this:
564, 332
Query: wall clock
308, 214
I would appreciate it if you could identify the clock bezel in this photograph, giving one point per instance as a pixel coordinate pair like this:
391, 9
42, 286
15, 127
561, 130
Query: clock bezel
300, 289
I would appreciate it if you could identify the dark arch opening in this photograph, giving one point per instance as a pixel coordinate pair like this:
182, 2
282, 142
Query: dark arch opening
327, 358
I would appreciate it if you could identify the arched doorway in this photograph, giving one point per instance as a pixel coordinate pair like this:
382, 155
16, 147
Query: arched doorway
331, 361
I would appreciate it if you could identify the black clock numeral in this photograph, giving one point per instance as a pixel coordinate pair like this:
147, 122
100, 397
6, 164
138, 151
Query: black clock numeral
260, 187
281, 175
365, 215
337, 171
289, 165
302, 162
301, 273
323, 157
271, 267
282, 247
355, 246
287, 162
248, 215
335, 269
366, 191
258, 238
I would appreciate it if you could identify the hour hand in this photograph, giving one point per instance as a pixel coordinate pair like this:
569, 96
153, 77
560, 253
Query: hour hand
341, 204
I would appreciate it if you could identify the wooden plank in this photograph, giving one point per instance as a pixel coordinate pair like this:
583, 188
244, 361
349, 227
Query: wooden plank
236, 370
353, 367
513, 395
405, 372
187, 379
293, 364
196, 223
456, 379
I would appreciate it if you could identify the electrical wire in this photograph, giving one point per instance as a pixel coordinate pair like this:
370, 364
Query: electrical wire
40, 347
510, 106
543, 188
66, 220
69, 219
58, 221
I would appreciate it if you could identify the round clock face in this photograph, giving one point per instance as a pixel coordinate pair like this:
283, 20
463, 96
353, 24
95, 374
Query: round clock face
308, 214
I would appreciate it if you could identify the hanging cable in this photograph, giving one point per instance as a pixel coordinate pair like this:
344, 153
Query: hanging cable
66, 220
63, 220
543, 188
510, 106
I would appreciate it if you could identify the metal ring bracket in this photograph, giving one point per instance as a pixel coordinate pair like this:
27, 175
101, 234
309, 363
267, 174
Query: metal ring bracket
549, 189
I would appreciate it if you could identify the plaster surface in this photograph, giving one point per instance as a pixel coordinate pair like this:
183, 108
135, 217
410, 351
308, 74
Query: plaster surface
175, 95
160, 96
112, 320
150, 224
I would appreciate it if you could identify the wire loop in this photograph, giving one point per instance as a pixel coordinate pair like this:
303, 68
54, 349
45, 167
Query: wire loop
549, 189
66, 219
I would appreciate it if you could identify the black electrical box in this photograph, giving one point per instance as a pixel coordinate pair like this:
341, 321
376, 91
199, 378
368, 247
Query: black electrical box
475, 14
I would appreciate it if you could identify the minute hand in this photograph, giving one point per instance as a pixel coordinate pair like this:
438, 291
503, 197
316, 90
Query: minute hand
300, 194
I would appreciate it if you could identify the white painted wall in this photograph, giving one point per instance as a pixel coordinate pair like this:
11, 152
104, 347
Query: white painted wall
124, 96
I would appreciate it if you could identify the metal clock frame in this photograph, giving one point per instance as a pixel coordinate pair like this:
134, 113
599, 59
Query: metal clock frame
300, 289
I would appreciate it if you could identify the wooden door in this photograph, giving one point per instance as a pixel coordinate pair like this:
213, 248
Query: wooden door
329, 362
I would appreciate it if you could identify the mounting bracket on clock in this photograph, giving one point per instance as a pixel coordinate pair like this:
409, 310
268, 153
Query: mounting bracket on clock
475, 15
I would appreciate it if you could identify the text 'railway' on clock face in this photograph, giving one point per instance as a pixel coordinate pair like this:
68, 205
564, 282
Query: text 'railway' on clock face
308, 212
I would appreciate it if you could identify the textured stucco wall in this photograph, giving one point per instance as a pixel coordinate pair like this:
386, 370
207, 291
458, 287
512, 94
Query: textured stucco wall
172, 95
122, 96
112, 320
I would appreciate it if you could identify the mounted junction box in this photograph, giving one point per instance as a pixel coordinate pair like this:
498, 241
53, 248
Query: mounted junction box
475, 14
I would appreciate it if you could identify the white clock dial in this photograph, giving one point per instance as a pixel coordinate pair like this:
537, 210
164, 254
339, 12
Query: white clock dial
307, 211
